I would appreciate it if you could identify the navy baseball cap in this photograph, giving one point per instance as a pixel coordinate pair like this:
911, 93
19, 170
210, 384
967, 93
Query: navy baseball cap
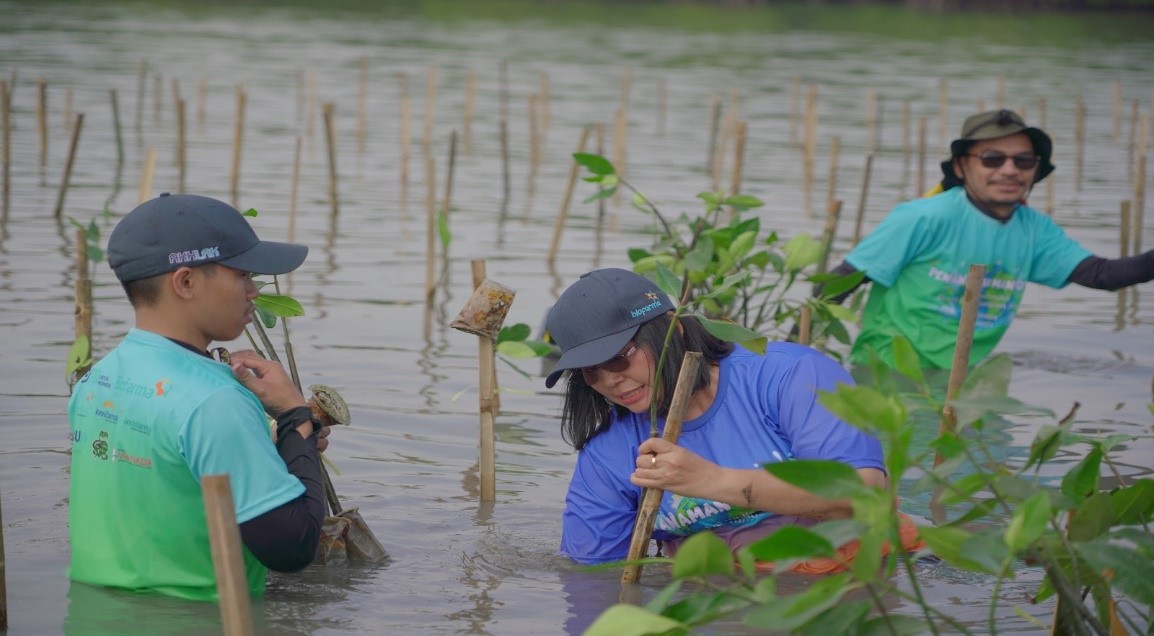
174, 230
598, 314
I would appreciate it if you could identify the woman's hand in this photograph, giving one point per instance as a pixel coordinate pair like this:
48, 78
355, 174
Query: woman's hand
668, 466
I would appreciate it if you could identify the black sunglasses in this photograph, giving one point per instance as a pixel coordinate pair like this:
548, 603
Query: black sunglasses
996, 159
616, 364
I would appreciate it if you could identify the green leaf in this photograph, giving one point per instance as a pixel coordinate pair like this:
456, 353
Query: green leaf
895, 625
701, 256
947, 542
791, 542
711, 199
843, 618
95, 254
443, 228
1028, 522
834, 284
541, 348
661, 601
963, 488
801, 251
667, 281
988, 548
629, 620
704, 607
1092, 518
266, 317
1082, 480
733, 332
519, 331
516, 349
1045, 446
906, 360
250, 212
79, 356
594, 163
278, 305
824, 478
1134, 503
1124, 567
866, 408
604, 193
790, 612
636, 253
702, 554
743, 201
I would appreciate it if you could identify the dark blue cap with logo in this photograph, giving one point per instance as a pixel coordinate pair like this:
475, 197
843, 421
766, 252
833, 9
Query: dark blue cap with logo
176, 230
598, 314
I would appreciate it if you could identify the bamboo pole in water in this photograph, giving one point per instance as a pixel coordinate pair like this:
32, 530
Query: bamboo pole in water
829, 233
714, 125
467, 126
430, 109
1124, 229
157, 97
447, 204
237, 144
962, 346
227, 556
6, 141
42, 124
141, 74
1050, 186
294, 187
534, 142
116, 126
430, 229
181, 148
487, 377
651, 498
406, 134
738, 157
805, 325
146, 172
921, 181
175, 92
1079, 139
861, 202
563, 213
83, 289
1139, 204
834, 151
1042, 112
362, 105
1132, 145
68, 164
660, 107
331, 142
1117, 110
810, 148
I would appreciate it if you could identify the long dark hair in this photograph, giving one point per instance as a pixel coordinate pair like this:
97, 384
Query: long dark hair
585, 412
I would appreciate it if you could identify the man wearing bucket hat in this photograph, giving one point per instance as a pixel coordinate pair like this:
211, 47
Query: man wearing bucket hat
746, 410
920, 254
157, 413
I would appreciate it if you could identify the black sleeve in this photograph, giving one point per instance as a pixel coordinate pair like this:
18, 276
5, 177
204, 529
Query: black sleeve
1113, 274
845, 269
285, 538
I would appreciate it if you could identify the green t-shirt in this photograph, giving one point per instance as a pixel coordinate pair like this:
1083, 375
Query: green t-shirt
918, 259
147, 422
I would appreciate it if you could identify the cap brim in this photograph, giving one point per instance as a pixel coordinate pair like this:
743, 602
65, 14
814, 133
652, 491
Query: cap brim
268, 257
590, 353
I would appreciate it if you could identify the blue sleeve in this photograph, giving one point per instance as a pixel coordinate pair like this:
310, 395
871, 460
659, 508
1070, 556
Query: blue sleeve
896, 241
600, 509
813, 432
228, 433
1056, 256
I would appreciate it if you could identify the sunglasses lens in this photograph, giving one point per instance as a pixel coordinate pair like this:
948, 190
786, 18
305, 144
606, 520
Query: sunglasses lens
1025, 162
616, 364
996, 159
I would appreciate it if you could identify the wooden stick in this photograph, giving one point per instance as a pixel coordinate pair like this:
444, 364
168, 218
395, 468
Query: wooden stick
1117, 109
331, 141
201, 101
619, 124
1079, 139
227, 557
834, 151
42, 123
470, 95
861, 202
68, 164
1124, 230
430, 109
805, 325
563, 214
447, 203
299, 110
503, 132
406, 116
1000, 94
626, 84
362, 105
175, 92
6, 140
157, 97
181, 149
965, 342
503, 89
829, 233
714, 125
141, 74
430, 229
1139, 202
943, 112
534, 147
651, 499
83, 288
660, 107
738, 160
1042, 112
1132, 145
921, 181
487, 374
116, 127
145, 192
293, 189
237, 144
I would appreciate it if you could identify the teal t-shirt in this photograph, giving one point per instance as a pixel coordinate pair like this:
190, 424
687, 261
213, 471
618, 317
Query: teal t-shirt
918, 259
147, 422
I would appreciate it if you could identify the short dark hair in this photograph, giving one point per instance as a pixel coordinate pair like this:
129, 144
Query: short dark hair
145, 292
585, 412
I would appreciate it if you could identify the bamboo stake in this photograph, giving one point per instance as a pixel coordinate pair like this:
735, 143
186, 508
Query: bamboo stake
227, 559
805, 325
563, 214
660, 107
1139, 202
1124, 230
362, 105
505, 174
861, 202
447, 204
921, 188
181, 150
293, 189
534, 131
331, 141
810, 148
430, 109
834, 151
965, 341
943, 112
738, 157
487, 375
470, 93
141, 74
1117, 109
237, 144
1079, 139
145, 192
201, 101
299, 109
175, 92
430, 228
829, 233
651, 499
600, 130
68, 164
116, 127
6, 140
1132, 145
1001, 91
503, 89
714, 124
42, 124
406, 116
157, 97
83, 289
1042, 112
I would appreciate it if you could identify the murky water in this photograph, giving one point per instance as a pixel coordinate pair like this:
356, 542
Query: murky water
409, 460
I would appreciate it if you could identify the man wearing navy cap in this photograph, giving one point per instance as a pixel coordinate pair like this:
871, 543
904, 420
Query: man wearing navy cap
157, 413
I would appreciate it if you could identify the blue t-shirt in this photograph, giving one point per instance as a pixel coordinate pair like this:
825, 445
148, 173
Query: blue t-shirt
147, 422
918, 259
765, 411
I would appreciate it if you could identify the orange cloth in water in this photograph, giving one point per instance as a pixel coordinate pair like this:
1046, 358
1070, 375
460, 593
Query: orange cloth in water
907, 531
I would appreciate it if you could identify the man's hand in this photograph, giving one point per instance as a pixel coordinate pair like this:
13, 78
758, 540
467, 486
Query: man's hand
268, 381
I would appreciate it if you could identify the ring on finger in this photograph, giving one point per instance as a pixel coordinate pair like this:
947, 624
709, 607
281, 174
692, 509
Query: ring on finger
653, 460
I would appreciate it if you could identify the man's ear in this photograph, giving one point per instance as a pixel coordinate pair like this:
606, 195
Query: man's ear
182, 282
956, 165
